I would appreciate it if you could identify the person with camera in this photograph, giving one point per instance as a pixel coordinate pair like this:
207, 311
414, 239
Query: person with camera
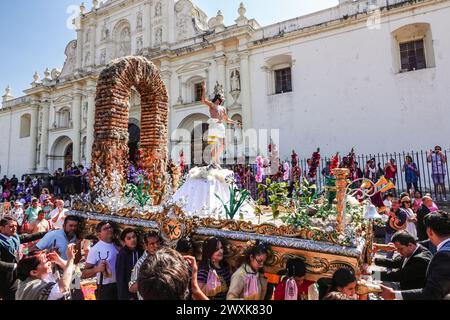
37, 281
165, 275
438, 162
390, 170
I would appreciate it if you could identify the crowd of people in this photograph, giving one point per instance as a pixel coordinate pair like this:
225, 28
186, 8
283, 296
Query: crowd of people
43, 257
128, 269
62, 184
373, 171
38, 214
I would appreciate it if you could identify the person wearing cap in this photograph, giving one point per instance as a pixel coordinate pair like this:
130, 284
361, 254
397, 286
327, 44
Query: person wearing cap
411, 217
17, 213
427, 202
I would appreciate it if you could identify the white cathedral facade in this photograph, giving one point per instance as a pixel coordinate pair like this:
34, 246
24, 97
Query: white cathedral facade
373, 74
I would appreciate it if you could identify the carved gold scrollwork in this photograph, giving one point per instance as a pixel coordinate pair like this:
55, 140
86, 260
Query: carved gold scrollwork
336, 265
123, 212
234, 251
246, 227
274, 259
78, 205
318, 266
232, 226
267, 229
213, 223
289, 231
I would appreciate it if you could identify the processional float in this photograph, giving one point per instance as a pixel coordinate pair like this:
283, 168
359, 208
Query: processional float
323, 251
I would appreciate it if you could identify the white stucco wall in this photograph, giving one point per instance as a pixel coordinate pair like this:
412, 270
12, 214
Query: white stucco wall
346, 94
14, 150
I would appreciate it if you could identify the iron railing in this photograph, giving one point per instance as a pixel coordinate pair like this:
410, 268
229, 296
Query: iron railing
425, 179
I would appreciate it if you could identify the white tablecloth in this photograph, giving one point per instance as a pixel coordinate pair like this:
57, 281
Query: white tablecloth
200, 195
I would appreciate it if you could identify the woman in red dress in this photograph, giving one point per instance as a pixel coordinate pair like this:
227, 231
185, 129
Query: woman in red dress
293, 285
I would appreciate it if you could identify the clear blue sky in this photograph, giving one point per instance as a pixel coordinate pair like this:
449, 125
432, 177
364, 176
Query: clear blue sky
34, 33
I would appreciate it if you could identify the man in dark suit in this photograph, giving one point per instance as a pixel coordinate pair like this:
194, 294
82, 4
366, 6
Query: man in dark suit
427, 202
9, 256
410, 267
437, 285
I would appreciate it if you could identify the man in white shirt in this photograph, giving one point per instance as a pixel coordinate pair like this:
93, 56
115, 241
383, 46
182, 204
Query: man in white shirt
58, 215
17, 213
437, 285
101, 261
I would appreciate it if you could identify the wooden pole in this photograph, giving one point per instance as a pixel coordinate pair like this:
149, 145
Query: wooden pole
341, 175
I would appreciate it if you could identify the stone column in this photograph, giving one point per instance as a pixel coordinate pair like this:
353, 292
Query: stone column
43, 157
247, 118
166, 75
93, 28
90, 120
76, 119
33, 136
146, 25
79, 58
169, 33
221, 73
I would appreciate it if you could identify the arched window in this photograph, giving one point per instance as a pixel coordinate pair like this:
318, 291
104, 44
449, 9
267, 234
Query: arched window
25, 126
413, 48
194, 89
279, 74
63, 117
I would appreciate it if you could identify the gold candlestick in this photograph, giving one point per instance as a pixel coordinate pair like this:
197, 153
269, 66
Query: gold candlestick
341, 175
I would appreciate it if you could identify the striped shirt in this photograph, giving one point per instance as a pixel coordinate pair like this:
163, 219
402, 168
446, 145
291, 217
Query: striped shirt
135, 272
224, 276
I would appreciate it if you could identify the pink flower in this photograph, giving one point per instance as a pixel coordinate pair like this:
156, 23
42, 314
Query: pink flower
286, 171
259, 171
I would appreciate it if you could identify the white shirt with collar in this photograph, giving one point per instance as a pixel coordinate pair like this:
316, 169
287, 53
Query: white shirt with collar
405, 261
440, 245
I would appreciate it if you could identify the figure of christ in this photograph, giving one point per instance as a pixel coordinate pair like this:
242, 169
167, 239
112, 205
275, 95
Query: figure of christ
219, 116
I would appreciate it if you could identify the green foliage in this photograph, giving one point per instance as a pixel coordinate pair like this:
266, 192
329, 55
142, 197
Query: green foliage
139, 193
299, 219
237, 199
277, 194
305, 193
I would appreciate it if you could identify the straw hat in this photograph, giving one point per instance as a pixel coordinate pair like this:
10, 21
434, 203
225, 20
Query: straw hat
406, 199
